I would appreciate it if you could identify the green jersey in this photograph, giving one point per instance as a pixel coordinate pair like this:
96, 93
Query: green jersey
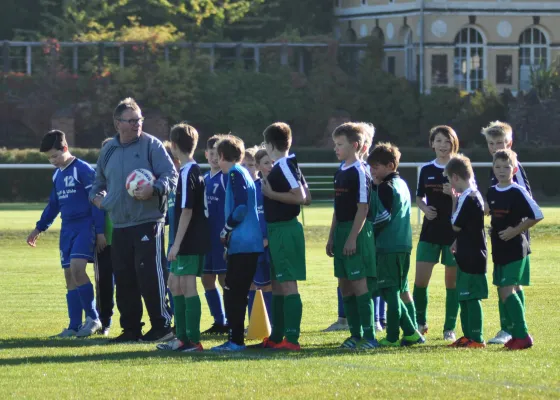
108, 229
390, 208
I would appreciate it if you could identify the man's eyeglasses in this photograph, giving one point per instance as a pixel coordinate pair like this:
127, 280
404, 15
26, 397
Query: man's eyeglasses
133, 121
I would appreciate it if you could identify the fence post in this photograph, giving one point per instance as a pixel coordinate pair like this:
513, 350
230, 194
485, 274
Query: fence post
166, 54
301, 60
6, 56
28, 59
75, 58
121, 56
101, 57
419, 214
238, 53
257, 57
284, 55
212, 57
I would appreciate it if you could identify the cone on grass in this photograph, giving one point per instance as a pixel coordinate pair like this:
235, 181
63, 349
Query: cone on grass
259, 324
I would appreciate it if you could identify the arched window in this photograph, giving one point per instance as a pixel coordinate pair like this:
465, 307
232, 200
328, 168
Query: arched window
409, 69
533, 54
468, 62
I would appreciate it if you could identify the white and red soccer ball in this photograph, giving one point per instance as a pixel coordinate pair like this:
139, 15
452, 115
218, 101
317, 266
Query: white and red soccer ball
138, 177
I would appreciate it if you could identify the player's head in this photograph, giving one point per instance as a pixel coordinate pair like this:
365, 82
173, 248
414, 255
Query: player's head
264, 163
211, 152
348, 140
504, 165
369, 133
277, 137
383, 160
499, 136
128, 117
55, 146
231, 150
169, 150
249, 161
444, 141
459, 172
184, 139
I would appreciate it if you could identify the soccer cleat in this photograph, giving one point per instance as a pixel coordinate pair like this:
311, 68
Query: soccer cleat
411, 340
471, 344
350, 344
378, 327
449, 336
520, 344
217, 329
127, 336
155, 335
104, 331
383, 323
340, 325
172, 345
229, 346
502, 337
285, 345
461, 342
66, 333
368, 344
265, 344
423, 329
191, 347
386, 343
89, 328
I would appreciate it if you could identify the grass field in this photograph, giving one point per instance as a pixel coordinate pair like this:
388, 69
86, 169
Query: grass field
33, 306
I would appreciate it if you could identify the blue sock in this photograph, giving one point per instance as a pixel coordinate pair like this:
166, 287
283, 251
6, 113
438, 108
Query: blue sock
251, 300
268, 303
74, 309
171, 304
376, 301
88, 300
382, 310
341, 313
214, 299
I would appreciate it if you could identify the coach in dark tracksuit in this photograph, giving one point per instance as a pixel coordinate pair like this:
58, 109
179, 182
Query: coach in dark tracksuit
137, 253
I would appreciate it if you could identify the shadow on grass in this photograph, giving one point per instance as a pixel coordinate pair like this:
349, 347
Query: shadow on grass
27, 343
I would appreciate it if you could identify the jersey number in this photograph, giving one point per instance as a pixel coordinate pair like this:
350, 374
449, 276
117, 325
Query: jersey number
69, 181
216, 185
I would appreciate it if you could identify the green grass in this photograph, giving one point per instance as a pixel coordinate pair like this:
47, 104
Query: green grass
32, 307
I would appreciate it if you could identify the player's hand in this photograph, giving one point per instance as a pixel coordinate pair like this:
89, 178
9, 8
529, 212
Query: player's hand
329, 248
224, 235
265, 242
508, 233
32, 238
453, 247
265, 188
97, 201
144, 192
172, 255
430, 212
100, 242
447, 189
349, 247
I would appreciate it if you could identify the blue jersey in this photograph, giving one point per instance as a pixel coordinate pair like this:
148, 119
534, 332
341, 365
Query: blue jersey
215, 198
69, 197
260, 207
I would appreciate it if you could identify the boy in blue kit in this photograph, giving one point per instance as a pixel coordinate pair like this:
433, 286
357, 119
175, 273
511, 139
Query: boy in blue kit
214, 264
82, 225
242, 237
513, 211
499, 136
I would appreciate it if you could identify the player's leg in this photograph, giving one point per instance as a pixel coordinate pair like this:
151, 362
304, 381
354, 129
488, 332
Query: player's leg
74, 306
391, 297
215, 267
420, 294
366, 312
87, 297
277, 333
105, 288
341, 324
475, 322
174, 287
352, 313
504, 334
451, 296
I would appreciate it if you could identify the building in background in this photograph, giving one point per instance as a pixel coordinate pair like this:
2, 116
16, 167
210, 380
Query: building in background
464, 43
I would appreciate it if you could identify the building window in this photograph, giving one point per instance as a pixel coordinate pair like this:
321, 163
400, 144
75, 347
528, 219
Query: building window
468, 61
364, 2
439, 69
409, 55
391, 65
504, 69
533, 54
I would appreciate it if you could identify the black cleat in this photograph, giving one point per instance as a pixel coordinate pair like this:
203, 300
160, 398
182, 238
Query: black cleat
217, 329
127, 337
158, 335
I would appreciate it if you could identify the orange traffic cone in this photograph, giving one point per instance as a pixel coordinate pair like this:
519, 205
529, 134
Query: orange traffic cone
259, 324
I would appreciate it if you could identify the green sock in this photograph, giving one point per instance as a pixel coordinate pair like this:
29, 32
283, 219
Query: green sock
293, 309
451, 310
352, 316
193, 311
180, 318
391, 297
521, 295
475, 318
465, 318
277, 333
411, 310
372, 286
505, 324
420, 296
515, 311
365, 310
406, 322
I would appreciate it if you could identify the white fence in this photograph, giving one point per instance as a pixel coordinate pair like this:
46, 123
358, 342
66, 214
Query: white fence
318, 180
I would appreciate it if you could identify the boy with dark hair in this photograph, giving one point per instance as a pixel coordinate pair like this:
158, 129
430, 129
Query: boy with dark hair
215, 265
351, 240
284, 192
191, 242
242, 237
393, 239
82, 225
470, 251
513, 211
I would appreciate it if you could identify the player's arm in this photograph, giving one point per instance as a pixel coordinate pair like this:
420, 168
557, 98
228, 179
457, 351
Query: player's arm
359, 221
295, 196
47, 218
306, 190
429, 211
240, 200
530, 210
330, 241
383, 216
87, 177
188, 196
164, 170
98, 192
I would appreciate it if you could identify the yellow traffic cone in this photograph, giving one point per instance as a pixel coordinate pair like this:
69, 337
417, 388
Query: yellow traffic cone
259, 325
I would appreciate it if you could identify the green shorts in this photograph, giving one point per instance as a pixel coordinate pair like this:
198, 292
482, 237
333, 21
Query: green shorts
191, 264
471, 286
392, 270
512, 274
286, 242
431, 252
362, 263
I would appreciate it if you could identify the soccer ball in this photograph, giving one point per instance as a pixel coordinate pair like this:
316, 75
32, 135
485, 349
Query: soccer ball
138, 177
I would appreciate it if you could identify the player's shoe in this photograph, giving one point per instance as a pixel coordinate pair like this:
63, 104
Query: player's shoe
104, 331
89, 328
172, 345
471, 344
520, 344
155, 335
386, 343
217, 329
502, 337
66, 333
285, 345
368, 344
350, 344
423, 329
265, 344
378, 327
191, 347
411, 340
449, 336
127, 336
229, 346
461, 342
340, 325
383, 323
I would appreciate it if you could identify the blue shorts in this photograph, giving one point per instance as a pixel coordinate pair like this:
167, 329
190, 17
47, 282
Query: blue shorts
77, 240
262, 274
214, 262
